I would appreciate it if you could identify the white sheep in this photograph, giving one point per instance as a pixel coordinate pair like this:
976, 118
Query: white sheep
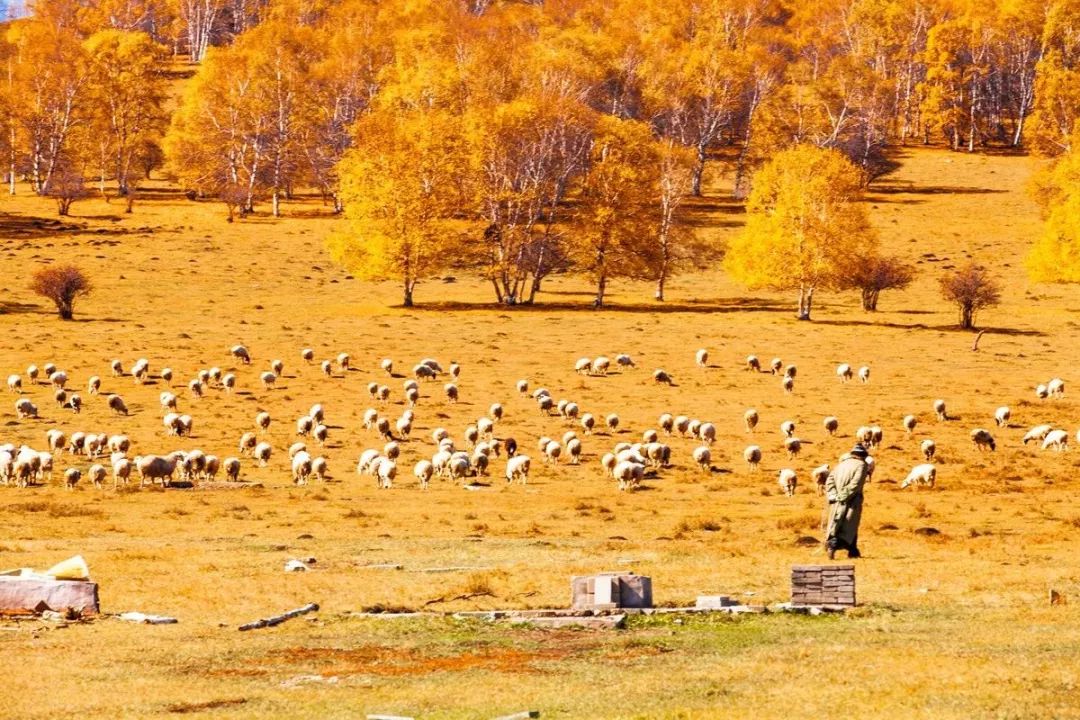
343, 361
600, 366
262, 421
707, 433
939, 410
649, 436
831, 424
140, 370
752, 363
382, 426
231, 466
909, 423
304, 425
523, 387
787, 428
228, 381
864, 374
983, 439
423, 372
573, 449
296, 447
793, 446
750, 418
1002, 415
327, 368
277, 366
612, 422
660, 376
268, 379
1037, 433
121, 468
404, 427
307, 355
248, 442
56, 440
820, 475
588, 422
25, 409
451, 391
119, 444
629, 474
843, 371
320, 433
117, 368
703, 457
60, 396
1041, 392
701, 357
239, 352
75, 403
117, 405
301, 468
195, 387
583, 366
517, 468
14, 383
167, 376
788, 383
788, 480
681, 424
929, 449
1055, 388
72, 477
752, 455
776, 365
168, 401
262, 453
925, 474
388, 366
624, 361
1056, 439
97, 474
552, 452
423, 471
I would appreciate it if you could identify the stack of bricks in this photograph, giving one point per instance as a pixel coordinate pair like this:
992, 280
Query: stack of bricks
823, 585
610, 591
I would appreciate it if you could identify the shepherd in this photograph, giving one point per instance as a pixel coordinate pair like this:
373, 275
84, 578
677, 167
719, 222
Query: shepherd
844, 491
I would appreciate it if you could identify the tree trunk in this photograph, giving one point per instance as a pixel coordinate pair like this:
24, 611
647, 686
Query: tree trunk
276, 203
699, 170
967, 317
806, 299
659, 295
601, 288
67, 312
869, 299
407, 301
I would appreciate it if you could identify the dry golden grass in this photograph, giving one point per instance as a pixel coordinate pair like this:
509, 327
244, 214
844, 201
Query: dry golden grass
954, 625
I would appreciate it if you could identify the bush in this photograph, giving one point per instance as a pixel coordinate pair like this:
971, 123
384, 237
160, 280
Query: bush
61, 285
65, 187
972, 289
875, 274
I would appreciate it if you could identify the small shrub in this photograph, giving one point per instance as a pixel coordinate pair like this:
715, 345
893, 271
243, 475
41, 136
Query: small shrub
971, 288
61, 285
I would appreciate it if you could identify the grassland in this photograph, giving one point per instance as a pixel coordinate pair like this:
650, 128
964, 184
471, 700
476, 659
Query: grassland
953, 625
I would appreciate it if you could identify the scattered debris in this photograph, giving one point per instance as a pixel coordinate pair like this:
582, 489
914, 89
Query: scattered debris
608, 591
300, 680
595, 622
278, 619
65, 586
381, 566
823, 585
458, 568
1056, 598
300, 565
143, 618
524, 715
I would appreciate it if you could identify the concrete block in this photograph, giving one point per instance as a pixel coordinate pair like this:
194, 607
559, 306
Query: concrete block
34, 594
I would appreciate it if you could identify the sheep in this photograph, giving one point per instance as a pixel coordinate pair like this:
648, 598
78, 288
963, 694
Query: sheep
1037, 433
439, 434
788, 480
876, 435
117, 368
307, 355
658, 454
72, 477
277, 367
97, 474
570, 411
168, 402
753, 364
791, 371
382, 426
382, 393
544, 403
118, 444
707, 433
392, 450
703, 457
864, 434
7, 465
247, 443
211, 468
666, 423
423, 471
681, 424
929, 448
661, 377
600, 366
121, 468
583, 366
320, 433
301, 468
495, 412
371, 416
60, 396
195, 387
95, 445
864, 374
14, 383
56, 440
156, 467
831, 424
552, 452
788, 384
1056, 439
140, 370
404, 427
517, 468
588, 422
820, 475
32, 373
629, 474
701, 358
433, 364
262, 421
925, 474
367, 458
304, 425
423, 372
939, 410
77, 442
262, 453
116, 404
787, 428
649, 436
327, 368
239, 352
1055, 388
752, 455
612, 422
1041, 392
843, 371
472, 435
296, 447
25, 466
58, 379
44, 466
573, 449
608, 462
909, 423
750, 419
693, 427
343, 361
983, 439
185, 424
793, 445
776, 366
25, 409
167, 376
268, 379
75, 403
231, 466
228, 382
412, 395
624, 361
1002, 415
451, 391
523, 387
320, 469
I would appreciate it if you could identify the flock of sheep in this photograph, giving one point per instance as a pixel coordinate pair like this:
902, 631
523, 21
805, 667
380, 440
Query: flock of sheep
462, 460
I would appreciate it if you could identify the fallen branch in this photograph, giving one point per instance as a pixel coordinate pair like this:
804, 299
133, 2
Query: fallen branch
278, 619
467, 596
975, 345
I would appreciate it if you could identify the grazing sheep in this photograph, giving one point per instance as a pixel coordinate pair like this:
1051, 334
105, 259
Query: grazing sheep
983, 439
167, 376
56, 440
307, 355
750, 418
909, 424
97, 474
600, 366
472, 435
787, 428
277, 367
367, 458
423, 472
211, 467
60, 396
296, 447
119, 444
629, 474
876, 435
843, 371
831, 424
412, 395
72, 477
864, 374
939, 409
373, 390
612, 422
77, 442
820, 475
1056, 439
573, 449
320, 433
423, 372
1037, 433
552, 452
195, 387
231, 466
666, 423
371, 416
388, 366
649, 436
752, 455
14, 383
392, 450
752, 363
451, 391
495, 412
239, 352
544, 404
707, 433
1041, 392
925, 474
788, 480
433, 364
693, 427
517, 468
661, 377
25, 409
625, 361
116, 404
1055, 388
523, 387
382, 426
404, 427
304, 425
327, 368
45, 466
268, 379
75, 403
171, 421
247, 443
793, 446
117, 368
570, 411
343, 361
1002, 415
262, 453
156, 467
140, 370
121, 468
681, 424
588, 422
608, 462
228, 381
583, 366
32, 373
701, 357
185, 422
776, 366
58, 379
168, 401
93, 385
929, 448
301, 468
262, 421
791, 371
439, 434
788, 383
703, 457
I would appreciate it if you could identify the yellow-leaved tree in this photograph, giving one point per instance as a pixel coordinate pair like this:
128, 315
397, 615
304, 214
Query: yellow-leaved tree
805, 228
1055, 256
401, 188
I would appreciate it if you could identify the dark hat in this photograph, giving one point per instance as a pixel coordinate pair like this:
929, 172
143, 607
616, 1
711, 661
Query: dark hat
859, 450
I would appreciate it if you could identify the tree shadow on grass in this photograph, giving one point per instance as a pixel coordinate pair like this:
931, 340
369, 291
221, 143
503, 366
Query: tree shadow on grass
937, 328
724, 305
